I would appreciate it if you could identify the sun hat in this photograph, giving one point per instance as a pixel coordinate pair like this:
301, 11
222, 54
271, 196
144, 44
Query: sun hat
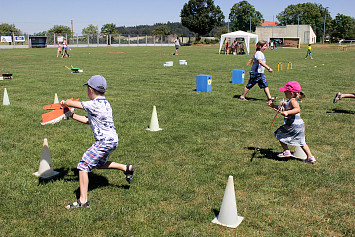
292, 86
98, 83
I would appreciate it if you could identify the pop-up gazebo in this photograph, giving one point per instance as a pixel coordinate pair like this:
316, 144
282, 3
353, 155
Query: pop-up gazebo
238, 34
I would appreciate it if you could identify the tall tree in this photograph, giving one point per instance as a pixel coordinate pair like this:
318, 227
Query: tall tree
90, 30
243, 16
201, 16
60, 29
342, 27
109, 29
306, 14
9, 29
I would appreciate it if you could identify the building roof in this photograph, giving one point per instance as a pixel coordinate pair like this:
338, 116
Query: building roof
268, 23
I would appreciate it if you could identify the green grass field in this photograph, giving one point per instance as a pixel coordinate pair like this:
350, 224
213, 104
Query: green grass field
182, 171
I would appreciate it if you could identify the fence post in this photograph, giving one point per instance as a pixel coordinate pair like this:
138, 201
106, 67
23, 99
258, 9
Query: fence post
77, 40
97, 36
129, 41
54, 41
119, 40
154, 39
137, 40
88, 40
146, 40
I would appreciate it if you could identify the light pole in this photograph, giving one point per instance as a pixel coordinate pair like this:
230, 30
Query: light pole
325, 16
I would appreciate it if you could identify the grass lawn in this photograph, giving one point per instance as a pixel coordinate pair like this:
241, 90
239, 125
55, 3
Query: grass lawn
181, 171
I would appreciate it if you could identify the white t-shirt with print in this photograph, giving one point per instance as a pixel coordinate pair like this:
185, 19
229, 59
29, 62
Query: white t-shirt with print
257, 67
100, 119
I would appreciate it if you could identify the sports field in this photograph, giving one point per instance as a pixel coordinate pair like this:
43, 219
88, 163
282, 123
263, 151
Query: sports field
181, 171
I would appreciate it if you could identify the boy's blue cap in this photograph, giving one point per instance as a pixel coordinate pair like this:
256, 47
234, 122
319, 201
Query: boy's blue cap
98, 83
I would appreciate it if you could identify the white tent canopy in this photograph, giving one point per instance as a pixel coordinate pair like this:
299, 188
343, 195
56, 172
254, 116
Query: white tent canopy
238, 34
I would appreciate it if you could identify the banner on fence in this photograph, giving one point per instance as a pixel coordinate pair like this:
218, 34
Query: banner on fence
6, 39
19, 38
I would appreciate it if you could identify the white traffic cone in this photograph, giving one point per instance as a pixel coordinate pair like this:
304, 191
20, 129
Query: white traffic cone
45, 169
228, 215
55, 99
299, 153
6, 100
154, 124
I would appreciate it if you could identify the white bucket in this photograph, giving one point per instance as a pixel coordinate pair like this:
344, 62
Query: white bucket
169, 63
182, 62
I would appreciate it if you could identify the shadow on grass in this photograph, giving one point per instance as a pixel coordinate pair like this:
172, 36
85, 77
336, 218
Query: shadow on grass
95, 180
340, 111
267, 154
248, 98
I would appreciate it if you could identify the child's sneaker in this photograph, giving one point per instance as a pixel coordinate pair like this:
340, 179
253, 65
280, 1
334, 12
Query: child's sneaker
285, 154
310, 160
337, 97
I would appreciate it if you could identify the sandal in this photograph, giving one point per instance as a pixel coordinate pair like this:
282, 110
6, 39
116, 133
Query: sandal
337, 97
129, 172
77, 204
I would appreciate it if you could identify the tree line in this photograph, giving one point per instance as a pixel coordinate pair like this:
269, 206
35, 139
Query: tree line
204, 18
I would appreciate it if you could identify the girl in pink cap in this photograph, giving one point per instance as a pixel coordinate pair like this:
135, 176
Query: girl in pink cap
292, 131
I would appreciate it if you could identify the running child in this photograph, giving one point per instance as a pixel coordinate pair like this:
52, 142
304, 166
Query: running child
292, 132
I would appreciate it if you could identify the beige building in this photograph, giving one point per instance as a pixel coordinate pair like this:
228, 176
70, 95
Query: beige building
304, 33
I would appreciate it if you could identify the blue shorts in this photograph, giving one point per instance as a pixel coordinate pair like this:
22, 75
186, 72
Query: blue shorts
257, 78
96, 156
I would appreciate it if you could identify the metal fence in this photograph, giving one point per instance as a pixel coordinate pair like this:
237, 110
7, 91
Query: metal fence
100, 40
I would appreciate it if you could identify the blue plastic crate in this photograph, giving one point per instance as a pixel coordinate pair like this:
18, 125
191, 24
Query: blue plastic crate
204, 83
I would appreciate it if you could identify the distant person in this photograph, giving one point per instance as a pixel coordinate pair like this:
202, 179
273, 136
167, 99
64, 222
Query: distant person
65, 48
177, 45
233, 47
258, 62
292, 132
241, 46
59, 50
340, 96
106, 139
226, 47
272, 45
309, 51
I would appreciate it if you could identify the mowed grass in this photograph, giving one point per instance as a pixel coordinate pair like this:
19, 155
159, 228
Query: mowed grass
182, 171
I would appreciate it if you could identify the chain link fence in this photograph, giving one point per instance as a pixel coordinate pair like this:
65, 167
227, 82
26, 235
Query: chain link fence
9, 40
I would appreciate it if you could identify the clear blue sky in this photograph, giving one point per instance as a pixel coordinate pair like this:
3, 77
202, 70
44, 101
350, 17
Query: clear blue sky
32, 16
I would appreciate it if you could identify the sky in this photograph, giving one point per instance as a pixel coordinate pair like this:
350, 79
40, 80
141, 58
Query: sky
41, 15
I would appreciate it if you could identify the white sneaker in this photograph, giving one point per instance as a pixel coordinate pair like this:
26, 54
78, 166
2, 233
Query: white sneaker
310, 160
284, 154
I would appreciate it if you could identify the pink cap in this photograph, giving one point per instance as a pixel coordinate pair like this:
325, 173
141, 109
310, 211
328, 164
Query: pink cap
292, 86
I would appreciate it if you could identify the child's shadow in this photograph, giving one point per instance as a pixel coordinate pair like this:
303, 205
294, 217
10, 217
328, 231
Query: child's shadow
340, 111
95, 180
261, 153
248, 98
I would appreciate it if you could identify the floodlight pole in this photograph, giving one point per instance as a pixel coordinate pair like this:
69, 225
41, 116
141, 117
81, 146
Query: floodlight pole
325, 15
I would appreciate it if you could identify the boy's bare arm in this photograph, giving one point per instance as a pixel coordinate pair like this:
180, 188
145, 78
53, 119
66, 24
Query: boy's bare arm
80, 118
72, 103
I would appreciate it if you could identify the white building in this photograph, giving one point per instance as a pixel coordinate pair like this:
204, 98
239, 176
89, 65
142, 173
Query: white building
304, 33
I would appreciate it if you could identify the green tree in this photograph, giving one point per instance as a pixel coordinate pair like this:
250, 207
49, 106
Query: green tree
109, 29
243, 16
306, 14
161, 30
9, 29
90, 30
201, 16
342, 27
60, 29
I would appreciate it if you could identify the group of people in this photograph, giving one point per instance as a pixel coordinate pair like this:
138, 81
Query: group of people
63, 49
100, 119
292, 132
234, 47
